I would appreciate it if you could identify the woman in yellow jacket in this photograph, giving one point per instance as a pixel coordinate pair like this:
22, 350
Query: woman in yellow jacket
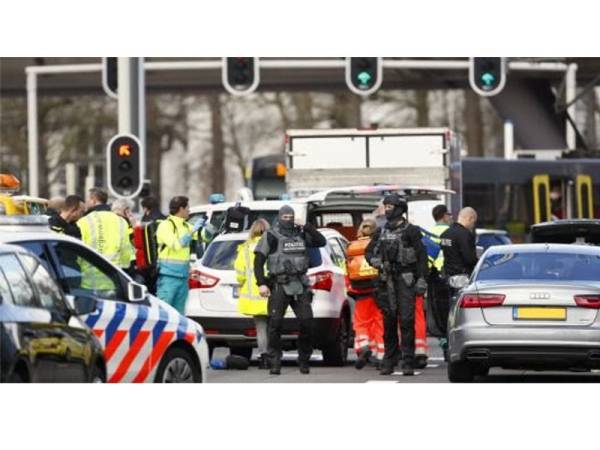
250, 302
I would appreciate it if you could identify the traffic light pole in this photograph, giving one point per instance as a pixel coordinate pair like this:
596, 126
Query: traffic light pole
32, 135
131, 98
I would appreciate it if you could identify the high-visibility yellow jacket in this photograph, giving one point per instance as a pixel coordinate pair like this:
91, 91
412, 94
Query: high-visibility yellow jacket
107, 233
173, 237
437, 230
250, 302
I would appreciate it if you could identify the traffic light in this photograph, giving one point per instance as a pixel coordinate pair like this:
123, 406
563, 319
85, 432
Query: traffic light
110, 77
124, 163
240, 75
487, 76
364, 75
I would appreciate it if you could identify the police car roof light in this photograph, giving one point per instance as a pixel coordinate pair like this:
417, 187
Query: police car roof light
215, 198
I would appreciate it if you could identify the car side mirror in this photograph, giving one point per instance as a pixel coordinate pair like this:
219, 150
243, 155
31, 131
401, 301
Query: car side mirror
136, 292
479, 251
81, 305
458, 281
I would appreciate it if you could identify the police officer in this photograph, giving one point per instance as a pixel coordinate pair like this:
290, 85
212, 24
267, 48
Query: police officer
397, 251
174, 237
64, 221
458, 244
284, 248
105, 231
438, 295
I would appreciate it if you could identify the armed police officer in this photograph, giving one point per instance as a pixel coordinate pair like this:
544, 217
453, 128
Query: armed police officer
397, 251
284, 249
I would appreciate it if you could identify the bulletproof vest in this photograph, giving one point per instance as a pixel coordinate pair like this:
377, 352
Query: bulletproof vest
392, 247
291, 256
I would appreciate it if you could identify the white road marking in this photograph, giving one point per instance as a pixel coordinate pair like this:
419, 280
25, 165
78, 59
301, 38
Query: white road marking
402, 373
432, 366
382, 381
436, 358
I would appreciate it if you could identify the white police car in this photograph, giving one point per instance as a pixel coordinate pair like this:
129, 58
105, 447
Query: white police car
144, 338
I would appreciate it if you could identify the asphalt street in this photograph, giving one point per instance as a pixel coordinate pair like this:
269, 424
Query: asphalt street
434, 373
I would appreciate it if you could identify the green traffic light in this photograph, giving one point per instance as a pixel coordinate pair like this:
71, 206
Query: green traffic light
364, 78
488, 79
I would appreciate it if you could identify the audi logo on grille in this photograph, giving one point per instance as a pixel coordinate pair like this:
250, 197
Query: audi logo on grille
539, 295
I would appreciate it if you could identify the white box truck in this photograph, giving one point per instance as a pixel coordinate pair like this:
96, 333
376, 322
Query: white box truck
319, 160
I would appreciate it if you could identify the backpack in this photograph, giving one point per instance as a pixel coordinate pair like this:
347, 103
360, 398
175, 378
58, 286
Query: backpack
146, 246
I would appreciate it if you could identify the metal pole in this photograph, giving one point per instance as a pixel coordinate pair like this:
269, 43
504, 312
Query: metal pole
32, 135
71, 178
142, 110
571, 92
509, 140
128, 93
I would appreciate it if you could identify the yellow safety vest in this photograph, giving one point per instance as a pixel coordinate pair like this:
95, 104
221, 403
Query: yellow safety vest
107, 233
250, 302
437, 230
173, 256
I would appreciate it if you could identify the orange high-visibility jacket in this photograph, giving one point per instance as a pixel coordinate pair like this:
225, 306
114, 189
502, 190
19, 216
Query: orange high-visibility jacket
362, 276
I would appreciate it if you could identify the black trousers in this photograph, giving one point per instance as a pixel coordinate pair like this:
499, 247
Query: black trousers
402, 307
301, 305
438, 304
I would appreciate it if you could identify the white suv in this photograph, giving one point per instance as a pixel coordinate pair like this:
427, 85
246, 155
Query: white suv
213, 299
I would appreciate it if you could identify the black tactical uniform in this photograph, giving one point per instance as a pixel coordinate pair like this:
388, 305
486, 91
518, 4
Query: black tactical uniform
285, 250
397, 251
458, 245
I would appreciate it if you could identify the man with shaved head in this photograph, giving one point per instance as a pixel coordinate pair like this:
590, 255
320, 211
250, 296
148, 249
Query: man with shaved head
458, 244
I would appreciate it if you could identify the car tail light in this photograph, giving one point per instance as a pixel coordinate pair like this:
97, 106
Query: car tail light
322, 281
481, 300
208, 331
250, 332
588, 301
201, 280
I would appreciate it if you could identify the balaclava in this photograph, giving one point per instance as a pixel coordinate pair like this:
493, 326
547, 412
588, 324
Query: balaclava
400, 207
286, 225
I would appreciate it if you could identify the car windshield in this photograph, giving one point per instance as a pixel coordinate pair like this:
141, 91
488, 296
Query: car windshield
487, 240
220, 255
540, 266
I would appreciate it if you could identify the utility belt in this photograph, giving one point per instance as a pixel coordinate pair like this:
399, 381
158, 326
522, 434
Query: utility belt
396, 272
285, 278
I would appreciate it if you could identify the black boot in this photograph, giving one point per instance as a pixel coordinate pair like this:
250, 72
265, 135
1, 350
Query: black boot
363, 358
420, 361
387, 368
275, 364
263, 361
408, 367
304, 367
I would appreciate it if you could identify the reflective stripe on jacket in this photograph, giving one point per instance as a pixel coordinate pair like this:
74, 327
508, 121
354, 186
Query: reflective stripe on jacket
436, 231
173, 237
250, 302
106, 233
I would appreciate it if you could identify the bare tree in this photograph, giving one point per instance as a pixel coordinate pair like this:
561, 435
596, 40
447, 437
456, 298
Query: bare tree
218, 148
473, 122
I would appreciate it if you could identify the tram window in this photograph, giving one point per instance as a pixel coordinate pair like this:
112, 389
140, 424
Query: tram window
481, 197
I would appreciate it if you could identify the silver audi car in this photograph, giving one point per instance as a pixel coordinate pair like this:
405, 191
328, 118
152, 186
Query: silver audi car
527, 306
